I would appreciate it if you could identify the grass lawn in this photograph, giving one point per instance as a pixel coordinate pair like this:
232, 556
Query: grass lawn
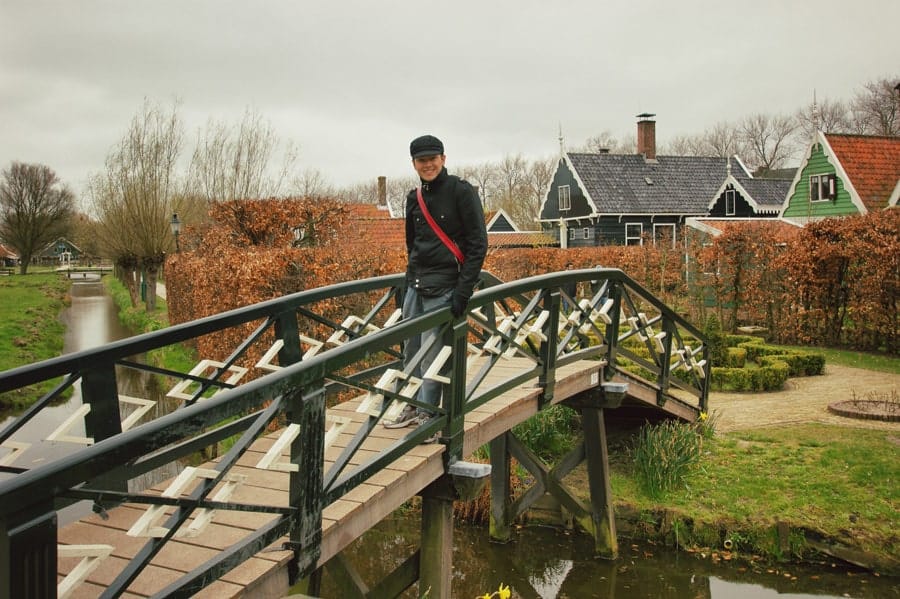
837, 481
855, 359
30, 329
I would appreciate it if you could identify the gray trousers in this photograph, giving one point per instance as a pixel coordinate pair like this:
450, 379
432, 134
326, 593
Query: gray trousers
414, 305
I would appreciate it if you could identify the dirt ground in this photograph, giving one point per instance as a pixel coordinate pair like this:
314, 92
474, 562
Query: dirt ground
806, 399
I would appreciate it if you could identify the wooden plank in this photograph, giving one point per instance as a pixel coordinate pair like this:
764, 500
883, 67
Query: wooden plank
344, 520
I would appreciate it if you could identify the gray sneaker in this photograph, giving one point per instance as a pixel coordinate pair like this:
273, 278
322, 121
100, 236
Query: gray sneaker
421, 418
432, 439
406, 418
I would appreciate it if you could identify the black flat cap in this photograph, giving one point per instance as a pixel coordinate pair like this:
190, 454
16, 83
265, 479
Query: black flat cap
427, 145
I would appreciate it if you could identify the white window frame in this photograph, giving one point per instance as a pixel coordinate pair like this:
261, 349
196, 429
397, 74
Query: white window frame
631, 237
730, 201
565, 197
586, 233
658, 227
822, 188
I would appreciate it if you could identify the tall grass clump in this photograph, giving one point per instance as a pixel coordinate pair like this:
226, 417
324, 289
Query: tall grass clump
664, 455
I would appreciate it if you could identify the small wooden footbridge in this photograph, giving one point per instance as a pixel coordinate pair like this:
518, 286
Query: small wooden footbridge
295, 403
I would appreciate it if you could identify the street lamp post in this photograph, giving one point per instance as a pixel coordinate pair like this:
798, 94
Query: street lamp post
175, 224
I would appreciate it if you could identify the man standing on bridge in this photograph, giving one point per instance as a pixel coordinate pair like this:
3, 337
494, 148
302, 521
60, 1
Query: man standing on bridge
446, 242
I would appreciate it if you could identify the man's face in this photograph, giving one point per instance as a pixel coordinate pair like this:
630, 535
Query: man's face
429, 167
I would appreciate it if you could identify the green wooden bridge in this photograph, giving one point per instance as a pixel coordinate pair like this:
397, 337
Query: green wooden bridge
308, 468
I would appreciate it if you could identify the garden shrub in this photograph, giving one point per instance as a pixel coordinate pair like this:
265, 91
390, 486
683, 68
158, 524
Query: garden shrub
735, 357
715, 340
801, 363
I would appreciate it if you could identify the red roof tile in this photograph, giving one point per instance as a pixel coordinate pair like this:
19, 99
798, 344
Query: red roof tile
872, 164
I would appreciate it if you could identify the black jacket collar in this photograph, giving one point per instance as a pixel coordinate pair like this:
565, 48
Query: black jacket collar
437, 182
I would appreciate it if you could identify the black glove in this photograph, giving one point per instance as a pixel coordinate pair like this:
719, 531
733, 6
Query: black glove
458, 305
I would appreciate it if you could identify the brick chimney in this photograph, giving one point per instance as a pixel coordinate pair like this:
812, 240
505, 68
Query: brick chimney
646, 135
382, 191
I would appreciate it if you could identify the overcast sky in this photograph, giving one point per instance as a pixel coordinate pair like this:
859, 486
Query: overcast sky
350, 82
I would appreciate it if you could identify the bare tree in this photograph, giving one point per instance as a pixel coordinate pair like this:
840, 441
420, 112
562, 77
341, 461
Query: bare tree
511, 176
875, 108
311, 183
538, 175
35, 209
483, 177
723, 140
826, 116
397, 189
768, 140
605, 143
137, 195
237, 163
686, 145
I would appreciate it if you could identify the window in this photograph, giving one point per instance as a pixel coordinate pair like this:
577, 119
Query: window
633, 233
565, 198
586, 233
822, 187
729, 202
664, 235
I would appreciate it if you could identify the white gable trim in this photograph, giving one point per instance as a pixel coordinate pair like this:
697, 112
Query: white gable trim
892, 201
591, 204
496, 217
839, 168
737, 187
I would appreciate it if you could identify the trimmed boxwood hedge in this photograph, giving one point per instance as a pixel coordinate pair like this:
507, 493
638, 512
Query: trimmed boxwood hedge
769, 369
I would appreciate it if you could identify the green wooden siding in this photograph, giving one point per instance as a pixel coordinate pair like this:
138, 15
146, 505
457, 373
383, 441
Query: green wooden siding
799, 205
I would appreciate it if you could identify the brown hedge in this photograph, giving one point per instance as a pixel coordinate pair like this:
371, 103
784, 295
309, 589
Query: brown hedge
834, 282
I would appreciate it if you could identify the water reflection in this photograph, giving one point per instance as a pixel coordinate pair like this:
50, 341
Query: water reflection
546, 563
91, 320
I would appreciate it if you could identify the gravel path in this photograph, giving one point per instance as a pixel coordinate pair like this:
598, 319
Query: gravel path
806, 399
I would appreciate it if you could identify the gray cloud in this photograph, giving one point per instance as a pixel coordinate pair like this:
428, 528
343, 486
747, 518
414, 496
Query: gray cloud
351, 82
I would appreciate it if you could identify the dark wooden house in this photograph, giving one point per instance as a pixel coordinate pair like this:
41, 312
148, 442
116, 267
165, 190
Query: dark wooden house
602, 198
743, 196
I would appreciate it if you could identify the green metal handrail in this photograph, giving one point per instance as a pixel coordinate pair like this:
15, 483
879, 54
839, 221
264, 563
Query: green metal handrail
520, 318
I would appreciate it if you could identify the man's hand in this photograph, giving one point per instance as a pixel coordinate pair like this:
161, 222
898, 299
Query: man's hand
458, 305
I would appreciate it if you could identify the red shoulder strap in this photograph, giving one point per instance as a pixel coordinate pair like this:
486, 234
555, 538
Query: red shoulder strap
437, 230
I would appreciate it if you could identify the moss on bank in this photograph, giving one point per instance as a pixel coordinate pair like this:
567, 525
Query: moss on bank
787, 494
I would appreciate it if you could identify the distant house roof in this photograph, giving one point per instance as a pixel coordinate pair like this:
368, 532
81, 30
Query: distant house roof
766, 196
372, 223
7, 253
716, 226
775, 173
521, 239
498, 221
50, 250
872, 166
631, 184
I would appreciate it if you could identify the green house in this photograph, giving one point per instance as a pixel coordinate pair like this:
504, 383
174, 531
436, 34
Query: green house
844, 175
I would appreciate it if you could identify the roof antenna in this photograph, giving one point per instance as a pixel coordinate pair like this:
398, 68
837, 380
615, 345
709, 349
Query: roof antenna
562, 145
815, 115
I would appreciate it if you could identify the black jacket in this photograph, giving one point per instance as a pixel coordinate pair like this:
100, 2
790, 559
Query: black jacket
456, 208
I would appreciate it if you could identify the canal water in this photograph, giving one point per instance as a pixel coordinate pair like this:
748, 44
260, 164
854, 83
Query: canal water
91, 320
540, 562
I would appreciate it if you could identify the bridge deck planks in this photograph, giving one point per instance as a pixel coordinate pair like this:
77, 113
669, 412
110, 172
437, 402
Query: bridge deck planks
343, 521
